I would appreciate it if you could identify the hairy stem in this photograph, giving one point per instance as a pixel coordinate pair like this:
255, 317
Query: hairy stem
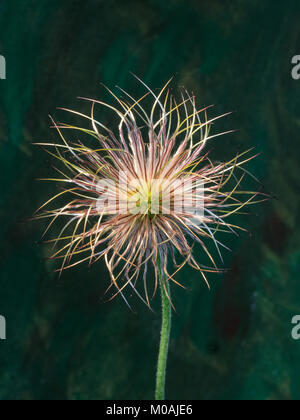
164, 337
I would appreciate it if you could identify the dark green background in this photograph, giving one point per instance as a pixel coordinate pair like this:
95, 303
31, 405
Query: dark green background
63, 341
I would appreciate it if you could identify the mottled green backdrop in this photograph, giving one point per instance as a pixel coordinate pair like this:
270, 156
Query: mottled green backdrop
63, 340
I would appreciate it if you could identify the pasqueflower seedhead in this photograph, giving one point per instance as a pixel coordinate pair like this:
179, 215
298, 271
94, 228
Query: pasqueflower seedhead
144, 193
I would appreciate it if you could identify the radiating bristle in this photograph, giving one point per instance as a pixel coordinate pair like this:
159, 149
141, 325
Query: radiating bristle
135, 169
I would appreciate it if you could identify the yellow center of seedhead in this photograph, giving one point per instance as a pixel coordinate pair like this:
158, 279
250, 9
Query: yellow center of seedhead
145, 199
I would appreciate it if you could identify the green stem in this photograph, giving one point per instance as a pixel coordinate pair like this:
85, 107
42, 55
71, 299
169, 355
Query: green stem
164, 337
